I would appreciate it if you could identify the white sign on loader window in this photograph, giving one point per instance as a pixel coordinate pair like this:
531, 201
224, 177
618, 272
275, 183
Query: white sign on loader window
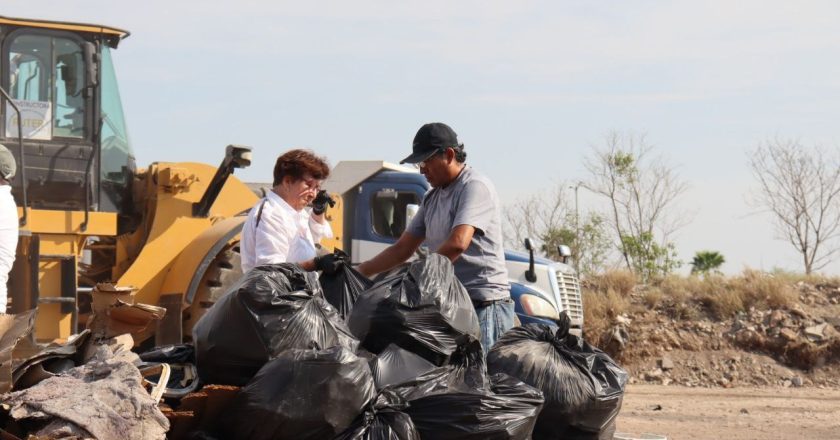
36, 117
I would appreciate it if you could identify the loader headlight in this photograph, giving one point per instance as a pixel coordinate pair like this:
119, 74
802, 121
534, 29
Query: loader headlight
536, 306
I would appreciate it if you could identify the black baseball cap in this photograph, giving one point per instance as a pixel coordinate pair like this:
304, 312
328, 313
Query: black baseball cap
430, 139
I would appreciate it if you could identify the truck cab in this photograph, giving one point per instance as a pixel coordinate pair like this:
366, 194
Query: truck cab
375, 202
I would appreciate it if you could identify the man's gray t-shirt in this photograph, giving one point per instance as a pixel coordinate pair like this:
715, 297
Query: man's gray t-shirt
470, 200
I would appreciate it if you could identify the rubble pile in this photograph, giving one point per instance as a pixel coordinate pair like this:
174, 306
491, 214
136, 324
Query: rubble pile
103, 398
794, 346
85, 388
793, 336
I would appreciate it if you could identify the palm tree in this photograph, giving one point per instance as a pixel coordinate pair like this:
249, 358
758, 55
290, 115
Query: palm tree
706, 261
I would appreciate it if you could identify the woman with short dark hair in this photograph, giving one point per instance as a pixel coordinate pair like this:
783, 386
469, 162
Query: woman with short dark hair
279, 228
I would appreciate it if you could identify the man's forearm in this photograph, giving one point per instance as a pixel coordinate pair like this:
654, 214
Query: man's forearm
457, 242
386, 260
450, 251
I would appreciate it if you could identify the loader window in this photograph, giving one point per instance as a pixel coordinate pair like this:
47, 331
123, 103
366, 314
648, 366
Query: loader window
388, 211
116, 145
46, 78
117, 158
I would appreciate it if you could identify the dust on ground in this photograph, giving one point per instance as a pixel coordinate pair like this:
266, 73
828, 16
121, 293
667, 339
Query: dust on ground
681, 412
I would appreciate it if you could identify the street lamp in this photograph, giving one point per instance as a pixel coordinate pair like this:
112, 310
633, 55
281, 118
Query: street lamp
576, 186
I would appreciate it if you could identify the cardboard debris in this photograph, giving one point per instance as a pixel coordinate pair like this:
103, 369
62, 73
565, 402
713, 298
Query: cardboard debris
102, 399
200, 411
115, 312
50, 360
13, 329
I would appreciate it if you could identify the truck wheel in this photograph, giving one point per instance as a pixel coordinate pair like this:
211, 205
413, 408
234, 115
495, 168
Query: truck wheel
224, 271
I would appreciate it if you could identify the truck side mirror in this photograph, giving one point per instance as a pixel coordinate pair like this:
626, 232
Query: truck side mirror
564, 252
410, 211
530, 274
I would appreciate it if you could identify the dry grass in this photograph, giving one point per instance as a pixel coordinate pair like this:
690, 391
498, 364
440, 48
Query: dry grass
723, 303
717, 297
600, 309
722, 297
652, 297
767, 290
621, 281
813, 279
679, 296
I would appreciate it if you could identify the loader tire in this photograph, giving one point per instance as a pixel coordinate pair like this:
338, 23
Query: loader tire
224, 271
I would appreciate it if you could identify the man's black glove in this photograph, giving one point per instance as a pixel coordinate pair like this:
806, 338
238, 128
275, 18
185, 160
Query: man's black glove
331, 263
319, 205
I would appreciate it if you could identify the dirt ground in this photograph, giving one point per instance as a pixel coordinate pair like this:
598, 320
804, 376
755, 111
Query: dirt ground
733, 413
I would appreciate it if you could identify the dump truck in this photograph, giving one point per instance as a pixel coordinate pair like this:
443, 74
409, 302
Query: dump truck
87, 213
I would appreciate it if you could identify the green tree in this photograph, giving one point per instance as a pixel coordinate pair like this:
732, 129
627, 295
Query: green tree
649, 259
642, 191
706, 261
590, 245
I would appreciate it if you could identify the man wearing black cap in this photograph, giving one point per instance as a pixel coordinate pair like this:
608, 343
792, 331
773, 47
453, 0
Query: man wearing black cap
8, 222
460, 219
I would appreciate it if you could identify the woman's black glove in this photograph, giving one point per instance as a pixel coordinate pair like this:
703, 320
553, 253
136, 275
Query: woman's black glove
319, 205
331, 263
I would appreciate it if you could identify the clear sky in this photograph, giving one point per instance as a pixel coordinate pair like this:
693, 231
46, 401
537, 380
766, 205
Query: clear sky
529, 86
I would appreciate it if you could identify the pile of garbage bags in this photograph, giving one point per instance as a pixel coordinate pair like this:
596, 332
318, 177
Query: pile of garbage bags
286, 355
340, 357
343, 289
583, 387
423, 309
271, 309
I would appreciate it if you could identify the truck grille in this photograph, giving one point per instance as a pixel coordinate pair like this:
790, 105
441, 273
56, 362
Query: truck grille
570, 295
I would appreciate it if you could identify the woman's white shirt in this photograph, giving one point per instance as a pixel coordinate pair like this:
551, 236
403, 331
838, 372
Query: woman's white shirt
283, 234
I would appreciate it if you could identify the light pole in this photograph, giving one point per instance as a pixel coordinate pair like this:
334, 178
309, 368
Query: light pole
577, 251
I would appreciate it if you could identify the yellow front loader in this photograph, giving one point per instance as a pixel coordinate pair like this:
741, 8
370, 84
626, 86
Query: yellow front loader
87, 214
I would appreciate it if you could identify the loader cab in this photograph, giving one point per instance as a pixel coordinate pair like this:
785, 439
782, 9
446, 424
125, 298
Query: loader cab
77, 152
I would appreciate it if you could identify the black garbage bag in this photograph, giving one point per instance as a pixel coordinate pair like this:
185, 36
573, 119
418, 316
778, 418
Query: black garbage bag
583, 386
271, 309
302, 394
423, 309
383, 419
395, 365
170, 354
342, 288
443, 408
181, 360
